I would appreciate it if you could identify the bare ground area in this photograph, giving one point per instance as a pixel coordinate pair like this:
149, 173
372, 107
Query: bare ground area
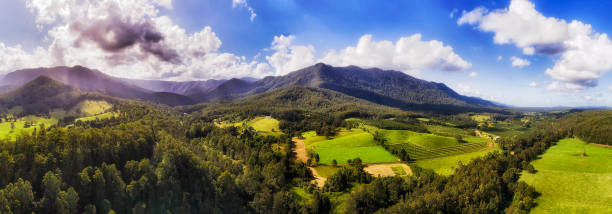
384, 169
601, 145
300, 150
302, 155
319, 180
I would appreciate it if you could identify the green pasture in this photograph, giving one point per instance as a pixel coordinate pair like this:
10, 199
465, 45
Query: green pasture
425, 140
9, 132
446, 165
570, 182
102, 116
360, 145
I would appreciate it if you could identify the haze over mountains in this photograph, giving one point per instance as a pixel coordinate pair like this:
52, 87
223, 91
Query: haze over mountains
385, 87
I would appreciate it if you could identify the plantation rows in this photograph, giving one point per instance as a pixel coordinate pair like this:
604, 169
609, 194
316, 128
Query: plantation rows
419, 152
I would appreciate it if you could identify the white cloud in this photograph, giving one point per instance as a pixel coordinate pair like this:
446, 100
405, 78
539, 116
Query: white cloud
473, 74
408, 54
472, 17
500, 58
127, 39
131, 39
585, 54
244, 4
164, 3
288, 57
528, 50
520, 24
564, 87
610, 89
533, 84
519, 62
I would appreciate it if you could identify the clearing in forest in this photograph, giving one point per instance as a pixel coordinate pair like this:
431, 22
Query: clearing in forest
354, 143
102, 116
265, 125
571, 182
10, 129
388, 169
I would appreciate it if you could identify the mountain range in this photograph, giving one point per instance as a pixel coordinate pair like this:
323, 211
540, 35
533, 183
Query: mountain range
384, 87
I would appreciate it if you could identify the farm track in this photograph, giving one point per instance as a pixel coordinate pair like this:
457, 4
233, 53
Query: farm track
302, 155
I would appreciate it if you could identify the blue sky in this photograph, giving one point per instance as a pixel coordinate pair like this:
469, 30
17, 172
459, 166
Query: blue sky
327, 26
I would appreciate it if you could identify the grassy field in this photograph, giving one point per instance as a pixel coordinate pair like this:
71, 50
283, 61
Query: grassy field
6, 132
92, 107
425, 140
571, 183
446, 165
96, 117
264, 124
327, 170
360, 145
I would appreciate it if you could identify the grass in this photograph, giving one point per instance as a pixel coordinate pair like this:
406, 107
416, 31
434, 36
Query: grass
102, 116
398, 170
304, 197
446, 130
6, 132
92, 107
350, 144
264, 124
327, 170
312, 137
446, 165
571, 183
425, 140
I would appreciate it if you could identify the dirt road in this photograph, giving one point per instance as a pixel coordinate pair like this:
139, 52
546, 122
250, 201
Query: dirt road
302, 155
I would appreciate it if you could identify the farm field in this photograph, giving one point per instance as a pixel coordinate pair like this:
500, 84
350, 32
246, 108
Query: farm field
570, 182
424, 145
446, 165
388, 169
264, 124
360, 145
91, 107
97, 117
8, 133
425, 140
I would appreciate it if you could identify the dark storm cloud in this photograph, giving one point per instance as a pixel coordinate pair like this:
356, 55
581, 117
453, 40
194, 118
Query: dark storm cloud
550, 49
114, 35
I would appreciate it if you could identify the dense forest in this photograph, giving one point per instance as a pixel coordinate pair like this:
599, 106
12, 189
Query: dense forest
591, 126
153, 159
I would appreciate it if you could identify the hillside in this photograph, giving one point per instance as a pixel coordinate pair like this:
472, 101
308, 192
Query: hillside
391, 88
591, 126
93, 81
44, 94
176, 87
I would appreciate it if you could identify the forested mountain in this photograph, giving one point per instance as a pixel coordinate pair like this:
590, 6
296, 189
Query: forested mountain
392, 88
385, 87
44, 94
94, 81
175, 86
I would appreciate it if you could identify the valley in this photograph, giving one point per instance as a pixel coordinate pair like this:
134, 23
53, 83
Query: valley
310, 144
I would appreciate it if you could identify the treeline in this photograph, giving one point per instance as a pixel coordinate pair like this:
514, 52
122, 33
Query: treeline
590, 126
151, 161
487, 184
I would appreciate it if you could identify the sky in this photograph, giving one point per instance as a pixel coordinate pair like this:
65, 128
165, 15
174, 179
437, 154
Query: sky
517, 52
